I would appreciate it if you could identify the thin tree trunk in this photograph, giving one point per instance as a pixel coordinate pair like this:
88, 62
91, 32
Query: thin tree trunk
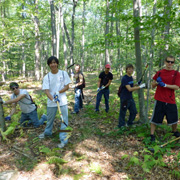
107, 59
2, 120
23, 48
53, 27
136, 11
63, 36
83, 38
37, 43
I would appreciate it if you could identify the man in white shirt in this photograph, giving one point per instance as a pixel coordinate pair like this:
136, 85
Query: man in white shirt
27, 106
56, 82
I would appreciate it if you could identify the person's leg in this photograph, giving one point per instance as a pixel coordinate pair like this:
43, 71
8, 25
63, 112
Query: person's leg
63, 135
24, 118
33, 116
98, 100
80, 101
106, 97
172, 118
122, 115
43, 119
51, 113
132, 110
77, 100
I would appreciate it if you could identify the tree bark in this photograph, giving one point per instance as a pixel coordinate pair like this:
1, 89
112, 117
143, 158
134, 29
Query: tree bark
53, 27
37, 43
107, 59
83, 38
136, 12
63, 36
2, 120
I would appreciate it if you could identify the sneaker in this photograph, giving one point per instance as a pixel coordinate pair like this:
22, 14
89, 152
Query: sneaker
152, 138
177, 134
74, 112
42, 136
61, 145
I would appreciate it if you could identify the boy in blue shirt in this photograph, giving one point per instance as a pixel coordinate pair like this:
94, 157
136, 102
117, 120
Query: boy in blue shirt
127, 101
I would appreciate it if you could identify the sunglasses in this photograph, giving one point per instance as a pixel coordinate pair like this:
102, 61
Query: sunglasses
14, 88
172, 62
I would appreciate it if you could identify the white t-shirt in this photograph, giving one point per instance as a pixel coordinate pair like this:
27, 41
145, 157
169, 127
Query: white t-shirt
25, 103
56, 82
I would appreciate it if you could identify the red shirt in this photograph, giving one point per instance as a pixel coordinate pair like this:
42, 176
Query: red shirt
170, 77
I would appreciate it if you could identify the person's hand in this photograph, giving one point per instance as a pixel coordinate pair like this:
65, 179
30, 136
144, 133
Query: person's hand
159, 79
73, 86
102, 87
98, 89
56, 97
8, 118
162, 84
142, 85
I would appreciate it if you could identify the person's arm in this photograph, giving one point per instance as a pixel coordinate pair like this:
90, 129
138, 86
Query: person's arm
108, 84
130, 89
99, 82
154, 84
13, 110
66, 87
15, 100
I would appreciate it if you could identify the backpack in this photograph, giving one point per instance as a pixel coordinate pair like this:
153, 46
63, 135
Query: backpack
119, 91
83, 85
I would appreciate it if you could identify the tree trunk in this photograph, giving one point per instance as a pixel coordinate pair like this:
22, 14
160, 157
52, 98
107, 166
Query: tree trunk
136, 11
53, 27
63, 36
2, 120
167, 17
23, 48
37, 43
107, 59
83, 38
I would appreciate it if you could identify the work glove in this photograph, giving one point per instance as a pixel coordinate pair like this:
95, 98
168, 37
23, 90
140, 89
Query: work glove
162, 84
98, 89
8, 118
102, 87
73, 86
139, 82
142, 85
158, 80
56, 97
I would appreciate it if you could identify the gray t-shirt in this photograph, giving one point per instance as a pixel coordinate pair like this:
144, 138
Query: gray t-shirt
25, 103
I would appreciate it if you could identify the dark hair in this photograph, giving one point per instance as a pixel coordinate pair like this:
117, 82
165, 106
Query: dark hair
50, 59
77, 65
129, 66
13, 84
170, 57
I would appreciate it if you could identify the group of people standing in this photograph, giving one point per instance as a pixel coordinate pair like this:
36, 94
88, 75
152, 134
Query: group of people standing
56, 83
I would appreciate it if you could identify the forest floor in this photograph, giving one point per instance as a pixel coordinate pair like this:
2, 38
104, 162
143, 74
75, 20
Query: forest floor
97, 150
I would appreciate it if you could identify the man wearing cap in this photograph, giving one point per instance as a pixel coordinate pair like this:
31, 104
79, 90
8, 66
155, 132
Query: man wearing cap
27, 106
105, 79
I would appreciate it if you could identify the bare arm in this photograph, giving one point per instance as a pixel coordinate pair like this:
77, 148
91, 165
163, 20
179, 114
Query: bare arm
15, 100
61, 91
99, 82
13, 110
108, 84
130, 89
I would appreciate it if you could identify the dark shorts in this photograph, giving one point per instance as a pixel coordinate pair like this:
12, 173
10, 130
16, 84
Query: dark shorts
162, 109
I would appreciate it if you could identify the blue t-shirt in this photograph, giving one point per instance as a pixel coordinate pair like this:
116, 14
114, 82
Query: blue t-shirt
125, 94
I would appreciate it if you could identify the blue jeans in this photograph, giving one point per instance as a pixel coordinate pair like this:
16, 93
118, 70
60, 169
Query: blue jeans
32, 117
51, 113
78, 100
106, 97
127, 105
